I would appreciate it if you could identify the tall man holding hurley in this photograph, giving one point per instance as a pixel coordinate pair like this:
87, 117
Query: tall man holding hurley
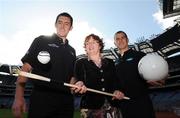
52, 57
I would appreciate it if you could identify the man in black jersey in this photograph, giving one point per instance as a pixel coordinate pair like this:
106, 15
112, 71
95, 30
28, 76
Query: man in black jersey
130, 81
48, 100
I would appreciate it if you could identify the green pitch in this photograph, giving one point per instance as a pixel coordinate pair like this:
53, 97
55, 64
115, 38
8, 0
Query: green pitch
7, 113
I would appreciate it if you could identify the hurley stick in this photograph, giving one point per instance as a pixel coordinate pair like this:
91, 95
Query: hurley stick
42, 78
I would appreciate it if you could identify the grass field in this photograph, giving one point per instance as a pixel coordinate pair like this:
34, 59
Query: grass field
6, 113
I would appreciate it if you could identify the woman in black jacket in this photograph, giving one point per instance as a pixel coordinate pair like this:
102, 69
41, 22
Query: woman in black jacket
98, 73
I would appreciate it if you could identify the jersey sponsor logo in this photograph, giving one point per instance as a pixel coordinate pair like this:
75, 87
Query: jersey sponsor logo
129, 59
53, 45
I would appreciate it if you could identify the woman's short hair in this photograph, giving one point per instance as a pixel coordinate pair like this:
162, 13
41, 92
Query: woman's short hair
96, 38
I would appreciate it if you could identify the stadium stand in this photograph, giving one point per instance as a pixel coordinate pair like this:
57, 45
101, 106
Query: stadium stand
8, 84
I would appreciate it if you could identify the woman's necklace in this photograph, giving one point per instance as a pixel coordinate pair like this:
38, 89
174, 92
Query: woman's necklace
98, 62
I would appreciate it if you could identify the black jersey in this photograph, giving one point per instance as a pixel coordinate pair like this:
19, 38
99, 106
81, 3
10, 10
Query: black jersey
130, 80
133, 86
61, 64
51, 99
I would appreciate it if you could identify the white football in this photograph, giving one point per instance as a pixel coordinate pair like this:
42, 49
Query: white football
153, 67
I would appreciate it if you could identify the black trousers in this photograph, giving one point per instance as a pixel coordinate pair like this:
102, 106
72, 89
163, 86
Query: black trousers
50, 105
137, 108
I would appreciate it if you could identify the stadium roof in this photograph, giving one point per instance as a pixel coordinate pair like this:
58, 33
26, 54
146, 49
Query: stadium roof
167, 43
170, 8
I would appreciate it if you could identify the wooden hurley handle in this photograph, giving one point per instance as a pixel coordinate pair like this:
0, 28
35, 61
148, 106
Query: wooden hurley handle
95, 91
42, 78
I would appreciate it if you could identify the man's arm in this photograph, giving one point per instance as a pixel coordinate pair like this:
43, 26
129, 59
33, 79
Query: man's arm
19, 105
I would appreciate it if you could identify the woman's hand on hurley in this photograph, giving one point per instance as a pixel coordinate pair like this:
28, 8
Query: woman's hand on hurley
118, 95
81, 88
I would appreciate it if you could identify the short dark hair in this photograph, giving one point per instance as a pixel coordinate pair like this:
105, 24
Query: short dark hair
97, 38
121, 32
66, 15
